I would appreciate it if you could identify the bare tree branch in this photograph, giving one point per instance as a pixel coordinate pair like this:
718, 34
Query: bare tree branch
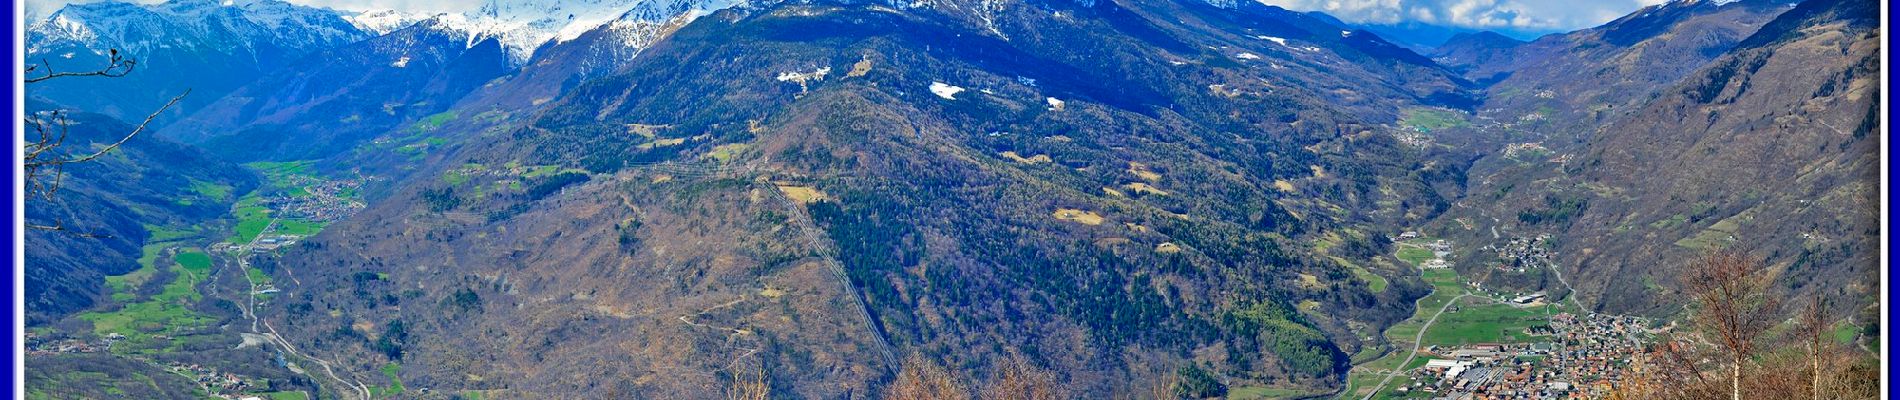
1730, 291
44, 162
135, 132
116, 66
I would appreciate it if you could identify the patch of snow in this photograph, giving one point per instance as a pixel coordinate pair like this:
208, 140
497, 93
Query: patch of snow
946, 91
382, 22
1247, 56
401, 62
522, 26
1281, 41
802, 77
1056, 104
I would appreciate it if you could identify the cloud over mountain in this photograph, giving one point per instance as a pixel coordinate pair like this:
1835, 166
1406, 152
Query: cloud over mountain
1484, 14
1539, 15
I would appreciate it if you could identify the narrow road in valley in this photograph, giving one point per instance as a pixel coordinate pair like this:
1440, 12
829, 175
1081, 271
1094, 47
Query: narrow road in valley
361, 389
1417, 342
1572, 296
250, 311
244, 269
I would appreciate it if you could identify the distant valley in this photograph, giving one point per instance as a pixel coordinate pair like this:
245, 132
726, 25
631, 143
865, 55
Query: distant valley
936, 199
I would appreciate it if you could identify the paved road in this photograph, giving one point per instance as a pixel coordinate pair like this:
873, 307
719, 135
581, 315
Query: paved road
361, 389
244, 269
1572, 296
1417, 342
250, 311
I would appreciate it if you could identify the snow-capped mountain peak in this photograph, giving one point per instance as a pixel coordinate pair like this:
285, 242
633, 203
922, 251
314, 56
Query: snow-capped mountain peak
523, 26
382, 22
211, 24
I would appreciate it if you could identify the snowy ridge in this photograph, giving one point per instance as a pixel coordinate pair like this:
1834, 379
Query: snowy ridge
641, 26
523, 26
520, 26
191, 24
382, 22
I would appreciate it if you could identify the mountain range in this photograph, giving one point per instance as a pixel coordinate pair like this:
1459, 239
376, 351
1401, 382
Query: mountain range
651, 199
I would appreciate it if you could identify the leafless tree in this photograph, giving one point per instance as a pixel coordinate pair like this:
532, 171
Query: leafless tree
924, 379
1814, 329
1671, 368
1163, 387
749, 385
44, 158
1016, 379
1730, 291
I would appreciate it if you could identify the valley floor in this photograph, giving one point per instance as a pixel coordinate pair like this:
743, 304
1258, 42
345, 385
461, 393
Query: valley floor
185, 324
1465, 340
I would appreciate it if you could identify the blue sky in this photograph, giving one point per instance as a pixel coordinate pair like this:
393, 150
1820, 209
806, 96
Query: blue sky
1518, 15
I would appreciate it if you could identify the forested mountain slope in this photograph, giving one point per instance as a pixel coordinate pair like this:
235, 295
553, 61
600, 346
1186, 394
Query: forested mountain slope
108, 210
337, 99
1769, 149
1145, 185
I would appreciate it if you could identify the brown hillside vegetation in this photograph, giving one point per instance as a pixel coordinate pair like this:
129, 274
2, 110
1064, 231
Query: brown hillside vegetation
1770, 147
649, 270
1732, 353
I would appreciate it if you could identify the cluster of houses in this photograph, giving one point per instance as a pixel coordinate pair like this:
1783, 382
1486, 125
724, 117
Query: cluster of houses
1491, 371
1523, 254
326, 201
1600, 345
1413, 137
213, 380
37, 344
1522, 151
1581, 357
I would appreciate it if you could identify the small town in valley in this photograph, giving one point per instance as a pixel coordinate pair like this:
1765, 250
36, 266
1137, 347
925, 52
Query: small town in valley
1584, 357
1473, 342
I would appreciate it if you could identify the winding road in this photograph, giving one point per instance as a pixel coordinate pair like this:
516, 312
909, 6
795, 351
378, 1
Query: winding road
361, 389
1417, 341
250, 311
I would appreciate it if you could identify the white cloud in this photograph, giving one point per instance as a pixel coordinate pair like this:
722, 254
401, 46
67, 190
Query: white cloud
1481, 14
